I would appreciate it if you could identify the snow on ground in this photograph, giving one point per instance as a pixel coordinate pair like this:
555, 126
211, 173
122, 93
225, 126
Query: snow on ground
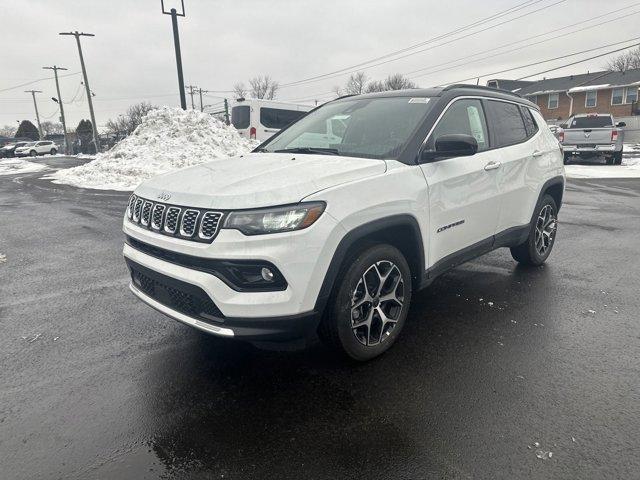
167, 139
630, 168
12, 166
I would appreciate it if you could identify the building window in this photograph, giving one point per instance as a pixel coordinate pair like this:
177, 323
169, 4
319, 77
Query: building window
631, 95
591, 99
554, 99
617, 96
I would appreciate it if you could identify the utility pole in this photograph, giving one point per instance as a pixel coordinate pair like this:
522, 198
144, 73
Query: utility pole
35, 104
176, 43
77, 34
226, 111
191, 92
201, 91
64, 125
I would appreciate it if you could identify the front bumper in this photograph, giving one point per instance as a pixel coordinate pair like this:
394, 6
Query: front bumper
577, 149
302, 257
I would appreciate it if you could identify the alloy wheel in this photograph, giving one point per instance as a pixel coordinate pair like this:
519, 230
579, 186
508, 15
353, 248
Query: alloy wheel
546, 226
377, 302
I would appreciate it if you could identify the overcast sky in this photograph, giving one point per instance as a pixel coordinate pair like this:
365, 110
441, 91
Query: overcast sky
132, 59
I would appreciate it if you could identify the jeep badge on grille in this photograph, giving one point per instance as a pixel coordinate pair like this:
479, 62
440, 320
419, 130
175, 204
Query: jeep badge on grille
164, 196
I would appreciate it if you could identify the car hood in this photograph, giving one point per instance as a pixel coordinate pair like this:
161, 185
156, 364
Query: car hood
257, 180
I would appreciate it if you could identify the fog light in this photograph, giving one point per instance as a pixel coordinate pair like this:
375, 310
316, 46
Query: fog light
267, 275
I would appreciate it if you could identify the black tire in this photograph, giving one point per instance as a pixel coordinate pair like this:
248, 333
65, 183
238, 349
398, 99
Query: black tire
611, 160
336, 329
527, 253
33, 153
567, 157
53, 151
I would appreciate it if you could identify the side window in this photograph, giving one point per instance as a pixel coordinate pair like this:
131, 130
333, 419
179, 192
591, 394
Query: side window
278, 118
506, 123
466, 117
529, 122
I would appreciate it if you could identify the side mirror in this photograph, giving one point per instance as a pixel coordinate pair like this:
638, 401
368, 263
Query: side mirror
621, 124
452, 145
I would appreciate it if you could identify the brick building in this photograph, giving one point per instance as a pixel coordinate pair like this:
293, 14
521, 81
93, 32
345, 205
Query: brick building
598, 92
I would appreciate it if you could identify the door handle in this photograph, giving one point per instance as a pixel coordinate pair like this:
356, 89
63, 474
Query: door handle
492, 165
537, 153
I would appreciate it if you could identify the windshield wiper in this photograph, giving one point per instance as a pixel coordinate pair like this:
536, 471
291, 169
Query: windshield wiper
260, 150
309, 150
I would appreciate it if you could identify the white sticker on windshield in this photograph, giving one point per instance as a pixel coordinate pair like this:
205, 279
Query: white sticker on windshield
419, 100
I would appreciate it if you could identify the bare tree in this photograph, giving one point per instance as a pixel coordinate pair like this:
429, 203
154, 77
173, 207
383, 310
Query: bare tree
240, 90
375, 86
125, 124
51, 128
337, 89
263, 87
392, 82
625, 61
8, 131
356, 84
398, 82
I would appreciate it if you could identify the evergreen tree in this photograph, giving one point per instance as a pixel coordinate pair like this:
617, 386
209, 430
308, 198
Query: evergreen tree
28, 130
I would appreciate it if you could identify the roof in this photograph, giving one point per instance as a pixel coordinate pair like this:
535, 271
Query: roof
511, 85
581, 82
457, 89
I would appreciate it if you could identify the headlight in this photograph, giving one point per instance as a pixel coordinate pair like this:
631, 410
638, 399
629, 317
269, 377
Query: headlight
275, 220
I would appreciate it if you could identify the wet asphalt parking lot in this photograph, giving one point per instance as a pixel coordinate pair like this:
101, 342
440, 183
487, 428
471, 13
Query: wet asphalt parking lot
497, 364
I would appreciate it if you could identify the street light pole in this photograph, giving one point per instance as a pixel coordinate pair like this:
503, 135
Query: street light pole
176, 43
77, 34
35, 105
64, 125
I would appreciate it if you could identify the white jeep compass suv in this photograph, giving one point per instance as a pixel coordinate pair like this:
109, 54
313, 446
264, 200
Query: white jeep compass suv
334, 223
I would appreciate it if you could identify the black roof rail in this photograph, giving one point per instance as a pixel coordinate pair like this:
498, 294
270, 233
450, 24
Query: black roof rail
481, 87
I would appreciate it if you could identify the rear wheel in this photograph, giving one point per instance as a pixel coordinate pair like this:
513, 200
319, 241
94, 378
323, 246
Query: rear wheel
370, 303
567, 157
542, 234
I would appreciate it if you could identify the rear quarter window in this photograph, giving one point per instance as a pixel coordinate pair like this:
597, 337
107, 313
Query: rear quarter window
505, 123
529, 122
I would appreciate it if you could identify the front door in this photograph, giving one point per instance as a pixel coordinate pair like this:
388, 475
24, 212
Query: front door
463, 191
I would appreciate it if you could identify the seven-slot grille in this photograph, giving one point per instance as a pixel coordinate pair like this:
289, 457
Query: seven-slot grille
189, 223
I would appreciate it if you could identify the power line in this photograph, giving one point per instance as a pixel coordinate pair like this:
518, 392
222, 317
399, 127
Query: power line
553, 59
330, 75
36, 81
474, 55
432, 39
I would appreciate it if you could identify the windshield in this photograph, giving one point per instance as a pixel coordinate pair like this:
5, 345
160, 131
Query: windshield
366, 127
592, 122
30, 144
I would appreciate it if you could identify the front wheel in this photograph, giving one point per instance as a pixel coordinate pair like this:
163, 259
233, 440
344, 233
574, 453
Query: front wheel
370, 304
33, 153
542, 234
53, 151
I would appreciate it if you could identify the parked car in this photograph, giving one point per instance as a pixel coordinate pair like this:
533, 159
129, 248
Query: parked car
34, 149
592, 134
335, 234
9, 150
260, 119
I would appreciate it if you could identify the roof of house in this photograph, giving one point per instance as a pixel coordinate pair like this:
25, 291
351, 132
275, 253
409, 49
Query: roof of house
582, 82
511, 85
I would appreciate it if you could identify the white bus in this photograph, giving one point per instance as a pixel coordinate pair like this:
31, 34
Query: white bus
260, 119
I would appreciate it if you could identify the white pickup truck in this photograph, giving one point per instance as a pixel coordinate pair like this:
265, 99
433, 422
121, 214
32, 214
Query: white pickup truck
592, 134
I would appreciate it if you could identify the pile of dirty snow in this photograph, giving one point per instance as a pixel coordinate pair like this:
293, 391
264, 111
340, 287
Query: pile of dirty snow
14, 166
168, 139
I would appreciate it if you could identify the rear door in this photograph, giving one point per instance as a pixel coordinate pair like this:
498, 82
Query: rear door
463, 191
524, 161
